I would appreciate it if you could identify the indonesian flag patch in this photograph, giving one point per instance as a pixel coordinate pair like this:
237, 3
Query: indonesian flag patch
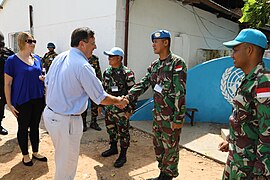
263, 92
130, 75
178, 68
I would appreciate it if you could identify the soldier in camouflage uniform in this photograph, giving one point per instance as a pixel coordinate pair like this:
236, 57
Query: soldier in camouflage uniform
248, 142
117, 80
93, 60
167, 77
49, 56
4, 54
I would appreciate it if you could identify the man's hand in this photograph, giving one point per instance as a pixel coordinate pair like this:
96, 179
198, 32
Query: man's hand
224, 146
123, 102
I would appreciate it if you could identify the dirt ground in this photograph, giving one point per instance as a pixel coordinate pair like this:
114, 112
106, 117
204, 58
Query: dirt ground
141, 162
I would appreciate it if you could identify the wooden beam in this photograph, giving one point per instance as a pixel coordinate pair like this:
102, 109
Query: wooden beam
185, 2
220, 8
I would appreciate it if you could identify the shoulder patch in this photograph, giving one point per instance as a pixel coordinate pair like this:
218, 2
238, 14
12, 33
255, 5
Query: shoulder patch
130, 74
263, 92
178, 68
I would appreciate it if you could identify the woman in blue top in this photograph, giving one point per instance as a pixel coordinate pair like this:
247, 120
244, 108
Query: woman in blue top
25, 95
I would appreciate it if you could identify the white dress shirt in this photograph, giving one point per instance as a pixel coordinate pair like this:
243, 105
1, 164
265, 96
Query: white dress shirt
70, 82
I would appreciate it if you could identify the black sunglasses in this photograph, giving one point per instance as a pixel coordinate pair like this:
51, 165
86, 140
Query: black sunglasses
30, 41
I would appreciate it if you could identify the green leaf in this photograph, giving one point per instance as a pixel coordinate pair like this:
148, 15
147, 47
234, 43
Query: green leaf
256, 13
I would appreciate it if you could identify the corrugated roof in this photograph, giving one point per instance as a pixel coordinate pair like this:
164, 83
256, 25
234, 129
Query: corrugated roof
226, 10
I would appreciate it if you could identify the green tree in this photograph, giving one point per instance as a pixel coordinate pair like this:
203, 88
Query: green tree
256, 13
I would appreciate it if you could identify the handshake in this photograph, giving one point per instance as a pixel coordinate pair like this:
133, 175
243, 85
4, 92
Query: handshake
122, 102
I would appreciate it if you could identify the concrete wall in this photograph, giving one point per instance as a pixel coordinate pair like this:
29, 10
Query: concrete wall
14, 17
55, 20
187, 25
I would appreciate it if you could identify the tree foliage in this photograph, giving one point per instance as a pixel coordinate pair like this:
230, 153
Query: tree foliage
256, 13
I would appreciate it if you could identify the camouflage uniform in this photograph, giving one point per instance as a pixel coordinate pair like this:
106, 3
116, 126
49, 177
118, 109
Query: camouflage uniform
94, 61
249, 138
47, 59
169, 106
117, 82
95, 64
4, 54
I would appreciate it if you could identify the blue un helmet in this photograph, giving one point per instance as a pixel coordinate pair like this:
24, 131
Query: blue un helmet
160, 34
50, 45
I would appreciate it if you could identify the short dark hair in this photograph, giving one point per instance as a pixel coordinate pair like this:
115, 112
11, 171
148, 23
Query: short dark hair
169, 42
81, 34
260, 51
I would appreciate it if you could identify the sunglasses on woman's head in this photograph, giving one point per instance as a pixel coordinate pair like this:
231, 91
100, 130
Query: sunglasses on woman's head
31, 41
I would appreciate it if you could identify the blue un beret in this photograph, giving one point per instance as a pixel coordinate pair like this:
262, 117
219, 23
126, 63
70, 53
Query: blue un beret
160, 34
50, 45
249, 35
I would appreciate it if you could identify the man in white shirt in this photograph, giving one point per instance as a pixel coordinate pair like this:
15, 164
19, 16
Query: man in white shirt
70, 82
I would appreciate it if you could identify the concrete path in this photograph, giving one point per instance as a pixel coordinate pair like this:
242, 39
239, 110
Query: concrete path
202, 138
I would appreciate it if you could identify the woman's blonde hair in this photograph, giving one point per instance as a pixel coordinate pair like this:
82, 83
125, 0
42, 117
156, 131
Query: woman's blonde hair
22, 37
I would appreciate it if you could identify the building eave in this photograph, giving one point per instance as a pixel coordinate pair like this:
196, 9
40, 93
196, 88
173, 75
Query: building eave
215, 8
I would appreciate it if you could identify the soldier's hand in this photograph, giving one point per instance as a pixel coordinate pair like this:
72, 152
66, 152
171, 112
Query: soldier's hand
224, 146
128, 115
176, 126
100, 111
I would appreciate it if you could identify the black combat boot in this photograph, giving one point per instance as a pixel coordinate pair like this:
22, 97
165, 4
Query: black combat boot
94, 124
113, 150
166, 177
3, 131
122, 159
84, 124
160, 177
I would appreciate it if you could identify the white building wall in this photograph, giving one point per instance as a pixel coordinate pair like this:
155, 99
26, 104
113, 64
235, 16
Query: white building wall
14, 17
120, 23
197, 29
54, 22
191, 28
